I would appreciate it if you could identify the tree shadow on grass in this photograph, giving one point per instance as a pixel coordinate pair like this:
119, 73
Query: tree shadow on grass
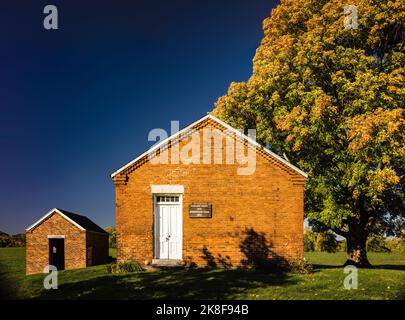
8, 283
261, 268
401, 296
4, 283
398, 267
318, 267
169, 284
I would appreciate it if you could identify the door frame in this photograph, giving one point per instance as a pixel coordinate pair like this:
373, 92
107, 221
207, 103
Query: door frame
156, 225
59, 239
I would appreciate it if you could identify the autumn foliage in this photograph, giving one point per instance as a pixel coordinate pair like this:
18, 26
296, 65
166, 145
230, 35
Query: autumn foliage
332, 99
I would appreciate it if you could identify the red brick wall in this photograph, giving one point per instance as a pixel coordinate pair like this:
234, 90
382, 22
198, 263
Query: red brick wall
270, 202
99, 242
37, 247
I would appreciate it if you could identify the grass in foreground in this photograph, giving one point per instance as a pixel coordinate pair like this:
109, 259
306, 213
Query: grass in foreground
385, 281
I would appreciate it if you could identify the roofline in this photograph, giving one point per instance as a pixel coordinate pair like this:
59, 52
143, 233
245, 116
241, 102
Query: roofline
57, 211
157, 146
227, 126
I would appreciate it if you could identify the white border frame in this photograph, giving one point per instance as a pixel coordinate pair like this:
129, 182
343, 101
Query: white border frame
162, 189
55, 236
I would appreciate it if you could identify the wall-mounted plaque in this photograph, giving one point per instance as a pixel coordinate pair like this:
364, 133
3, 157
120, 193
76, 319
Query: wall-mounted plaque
200, 210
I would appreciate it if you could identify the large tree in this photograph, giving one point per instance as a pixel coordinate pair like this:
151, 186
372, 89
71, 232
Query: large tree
328, 92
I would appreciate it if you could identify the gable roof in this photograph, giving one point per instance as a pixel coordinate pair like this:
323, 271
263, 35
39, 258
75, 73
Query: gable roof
82, 222
225, 125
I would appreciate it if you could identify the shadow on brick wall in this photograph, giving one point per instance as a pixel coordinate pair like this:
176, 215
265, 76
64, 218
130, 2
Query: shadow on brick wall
219, 261
258, 253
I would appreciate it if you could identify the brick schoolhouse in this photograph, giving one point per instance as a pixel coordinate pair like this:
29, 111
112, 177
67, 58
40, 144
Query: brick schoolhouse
208, 212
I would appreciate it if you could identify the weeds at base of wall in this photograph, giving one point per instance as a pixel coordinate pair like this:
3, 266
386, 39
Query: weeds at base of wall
280, 266
300, 266
124, 267
271, 266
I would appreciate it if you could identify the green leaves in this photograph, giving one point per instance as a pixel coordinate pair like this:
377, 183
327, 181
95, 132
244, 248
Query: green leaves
333, 100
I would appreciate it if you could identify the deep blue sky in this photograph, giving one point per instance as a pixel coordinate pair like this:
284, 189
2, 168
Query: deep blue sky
78, 103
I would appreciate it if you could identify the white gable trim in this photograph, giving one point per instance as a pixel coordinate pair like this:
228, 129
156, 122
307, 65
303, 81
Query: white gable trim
56, 236
59, 212
227, 126
157, 146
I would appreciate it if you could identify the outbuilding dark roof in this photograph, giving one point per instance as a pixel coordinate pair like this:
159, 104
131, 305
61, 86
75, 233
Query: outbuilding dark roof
83, 221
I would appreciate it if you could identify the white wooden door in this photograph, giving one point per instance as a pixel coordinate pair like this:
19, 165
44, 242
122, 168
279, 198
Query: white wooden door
168, 231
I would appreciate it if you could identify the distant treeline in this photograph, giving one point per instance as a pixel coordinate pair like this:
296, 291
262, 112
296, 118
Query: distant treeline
17, 240
313, 241
327, 242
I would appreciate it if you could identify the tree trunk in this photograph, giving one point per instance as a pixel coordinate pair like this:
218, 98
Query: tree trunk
356, 249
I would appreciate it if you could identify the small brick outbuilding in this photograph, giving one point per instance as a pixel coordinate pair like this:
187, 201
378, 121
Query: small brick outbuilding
66, 240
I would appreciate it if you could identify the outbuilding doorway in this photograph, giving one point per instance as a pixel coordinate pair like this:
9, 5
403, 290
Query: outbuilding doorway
57, 253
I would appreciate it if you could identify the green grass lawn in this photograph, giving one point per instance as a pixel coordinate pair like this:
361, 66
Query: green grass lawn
385, 281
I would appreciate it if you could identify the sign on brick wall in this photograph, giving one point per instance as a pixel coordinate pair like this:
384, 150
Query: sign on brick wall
200, 210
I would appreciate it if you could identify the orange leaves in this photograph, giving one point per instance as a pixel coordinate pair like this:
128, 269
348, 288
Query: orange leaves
293, 122
381, 179
314, 93
297, 114
323, 104
377, 127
